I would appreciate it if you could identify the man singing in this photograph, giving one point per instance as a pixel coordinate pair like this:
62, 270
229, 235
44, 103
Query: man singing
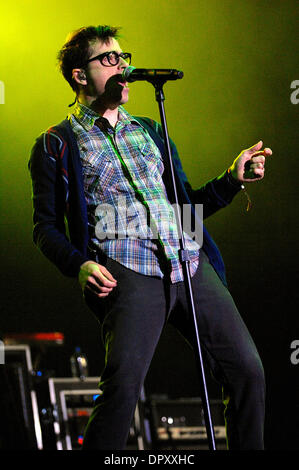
96, 157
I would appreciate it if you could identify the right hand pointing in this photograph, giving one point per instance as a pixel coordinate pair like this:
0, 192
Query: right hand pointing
96, 278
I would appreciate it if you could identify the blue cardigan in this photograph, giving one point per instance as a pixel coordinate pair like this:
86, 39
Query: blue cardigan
59, 207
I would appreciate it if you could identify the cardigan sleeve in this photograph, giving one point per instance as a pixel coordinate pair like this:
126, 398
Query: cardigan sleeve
49, 205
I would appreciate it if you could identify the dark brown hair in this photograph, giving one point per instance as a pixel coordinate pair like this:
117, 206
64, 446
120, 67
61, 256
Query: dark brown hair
76, 51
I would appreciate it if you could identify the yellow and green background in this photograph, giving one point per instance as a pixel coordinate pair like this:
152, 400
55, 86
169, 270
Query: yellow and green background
239, 59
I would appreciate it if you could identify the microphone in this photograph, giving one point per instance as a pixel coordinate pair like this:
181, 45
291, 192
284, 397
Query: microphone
131, 74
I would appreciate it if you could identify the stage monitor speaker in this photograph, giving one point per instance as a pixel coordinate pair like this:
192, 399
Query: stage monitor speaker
72, 401
179, 424
19, 409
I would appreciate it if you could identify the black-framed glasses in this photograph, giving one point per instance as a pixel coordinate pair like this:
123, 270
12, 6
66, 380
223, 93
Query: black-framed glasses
111, 58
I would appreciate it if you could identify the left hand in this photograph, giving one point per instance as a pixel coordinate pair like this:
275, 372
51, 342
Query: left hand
249, 166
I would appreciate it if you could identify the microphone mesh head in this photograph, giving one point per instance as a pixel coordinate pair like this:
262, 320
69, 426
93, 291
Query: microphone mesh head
127, 72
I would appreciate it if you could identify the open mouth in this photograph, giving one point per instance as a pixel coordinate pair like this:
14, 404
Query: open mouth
117, 80
120, 80
123, 84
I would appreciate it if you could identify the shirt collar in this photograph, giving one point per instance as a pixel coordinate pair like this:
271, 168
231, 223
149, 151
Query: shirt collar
87, 117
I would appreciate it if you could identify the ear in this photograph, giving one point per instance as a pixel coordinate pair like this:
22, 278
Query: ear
79, 76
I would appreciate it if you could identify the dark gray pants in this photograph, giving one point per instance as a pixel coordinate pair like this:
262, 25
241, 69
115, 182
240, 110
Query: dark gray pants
132, 319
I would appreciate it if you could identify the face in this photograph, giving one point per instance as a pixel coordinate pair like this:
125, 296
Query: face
104, 82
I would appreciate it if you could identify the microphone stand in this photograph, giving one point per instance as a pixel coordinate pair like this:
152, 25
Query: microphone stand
184, 258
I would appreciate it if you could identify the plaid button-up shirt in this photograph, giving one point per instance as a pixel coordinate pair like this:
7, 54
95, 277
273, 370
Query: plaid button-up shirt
130, 218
